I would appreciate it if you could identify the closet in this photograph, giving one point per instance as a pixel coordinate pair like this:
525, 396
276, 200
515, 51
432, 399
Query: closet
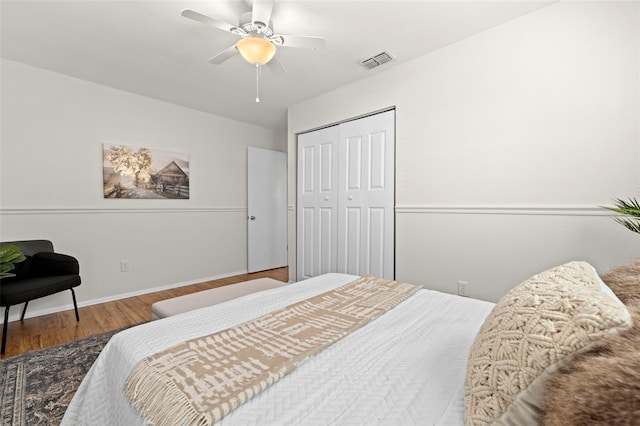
345, 196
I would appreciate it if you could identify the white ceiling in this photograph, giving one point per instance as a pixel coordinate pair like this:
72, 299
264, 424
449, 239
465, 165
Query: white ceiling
148, 48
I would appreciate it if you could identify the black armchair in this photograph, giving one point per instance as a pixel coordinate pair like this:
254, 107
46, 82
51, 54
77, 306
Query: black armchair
43, 273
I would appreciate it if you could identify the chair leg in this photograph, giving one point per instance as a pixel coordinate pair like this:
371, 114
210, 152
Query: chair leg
24, 310
75, 305
4, 330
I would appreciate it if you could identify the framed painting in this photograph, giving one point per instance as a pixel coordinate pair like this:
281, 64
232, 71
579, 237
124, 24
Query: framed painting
144, 173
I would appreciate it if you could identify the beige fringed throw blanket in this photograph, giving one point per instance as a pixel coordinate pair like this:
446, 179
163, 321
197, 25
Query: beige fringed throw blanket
199, 381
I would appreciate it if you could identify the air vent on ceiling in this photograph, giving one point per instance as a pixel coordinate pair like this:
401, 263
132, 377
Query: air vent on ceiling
376, 60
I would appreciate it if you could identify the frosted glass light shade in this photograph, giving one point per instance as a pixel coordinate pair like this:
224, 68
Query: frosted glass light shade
256, 50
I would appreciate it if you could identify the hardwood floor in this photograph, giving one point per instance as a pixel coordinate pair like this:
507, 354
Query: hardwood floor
53, 329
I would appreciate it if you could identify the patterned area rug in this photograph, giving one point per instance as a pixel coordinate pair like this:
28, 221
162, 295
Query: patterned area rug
37, 386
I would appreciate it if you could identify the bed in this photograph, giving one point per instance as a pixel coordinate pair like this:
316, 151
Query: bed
406, 367
560, 348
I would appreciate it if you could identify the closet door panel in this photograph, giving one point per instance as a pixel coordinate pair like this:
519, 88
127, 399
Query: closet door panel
376, 233
327, 167
353, 164
327, 244
307, 218
349, 258
308, 175
306, 246
367, 162
317, 202
377, 167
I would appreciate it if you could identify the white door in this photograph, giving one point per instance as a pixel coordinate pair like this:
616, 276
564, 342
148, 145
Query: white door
367, 196
317, 202
267, 209
346, 198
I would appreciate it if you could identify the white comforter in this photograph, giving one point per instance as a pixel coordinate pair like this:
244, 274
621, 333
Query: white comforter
406, 367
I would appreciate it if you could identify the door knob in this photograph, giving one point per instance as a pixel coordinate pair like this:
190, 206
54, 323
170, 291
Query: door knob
326, 198
252, 217
350, 197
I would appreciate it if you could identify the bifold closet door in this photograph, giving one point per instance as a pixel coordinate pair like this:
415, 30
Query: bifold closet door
345, 214
317, 202
366, 196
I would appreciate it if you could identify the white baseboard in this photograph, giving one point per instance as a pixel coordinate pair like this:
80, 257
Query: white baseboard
15, 316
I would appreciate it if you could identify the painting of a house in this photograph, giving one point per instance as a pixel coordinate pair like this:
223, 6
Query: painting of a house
132, 172
172, 180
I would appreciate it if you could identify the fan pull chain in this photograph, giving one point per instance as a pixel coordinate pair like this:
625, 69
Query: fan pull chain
257, 81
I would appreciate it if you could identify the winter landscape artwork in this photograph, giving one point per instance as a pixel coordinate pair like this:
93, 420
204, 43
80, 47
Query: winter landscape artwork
134, 172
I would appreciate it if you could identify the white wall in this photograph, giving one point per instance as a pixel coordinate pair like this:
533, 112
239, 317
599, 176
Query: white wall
506, 143
53, 128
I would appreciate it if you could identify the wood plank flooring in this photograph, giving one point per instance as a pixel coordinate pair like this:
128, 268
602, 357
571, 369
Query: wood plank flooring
61, 327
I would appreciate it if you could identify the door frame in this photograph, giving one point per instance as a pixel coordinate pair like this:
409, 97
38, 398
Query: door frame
395, 157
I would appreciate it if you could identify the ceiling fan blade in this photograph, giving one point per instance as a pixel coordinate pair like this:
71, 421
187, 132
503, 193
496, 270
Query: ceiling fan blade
309, 42
261, 11
276, 66
224, 55
188, 13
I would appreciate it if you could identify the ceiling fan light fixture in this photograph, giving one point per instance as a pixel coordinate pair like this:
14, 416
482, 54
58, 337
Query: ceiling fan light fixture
256, 50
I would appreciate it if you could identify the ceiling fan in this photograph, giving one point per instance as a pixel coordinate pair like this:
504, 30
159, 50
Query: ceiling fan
258, 41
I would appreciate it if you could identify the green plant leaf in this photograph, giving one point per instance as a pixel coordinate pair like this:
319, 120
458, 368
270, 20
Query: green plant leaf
4, 270
6, 267
630, 209
11, 253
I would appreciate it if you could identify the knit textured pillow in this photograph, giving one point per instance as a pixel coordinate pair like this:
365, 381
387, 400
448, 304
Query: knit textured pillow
523, 341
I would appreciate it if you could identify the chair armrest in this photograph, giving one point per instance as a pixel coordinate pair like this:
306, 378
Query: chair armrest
45, 263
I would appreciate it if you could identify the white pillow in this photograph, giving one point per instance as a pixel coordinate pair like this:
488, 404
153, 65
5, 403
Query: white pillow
525, 338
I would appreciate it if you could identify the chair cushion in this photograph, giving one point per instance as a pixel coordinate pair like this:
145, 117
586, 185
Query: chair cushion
20, 291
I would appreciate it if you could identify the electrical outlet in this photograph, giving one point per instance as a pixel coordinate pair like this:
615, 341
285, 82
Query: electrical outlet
462, 288
124, 266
